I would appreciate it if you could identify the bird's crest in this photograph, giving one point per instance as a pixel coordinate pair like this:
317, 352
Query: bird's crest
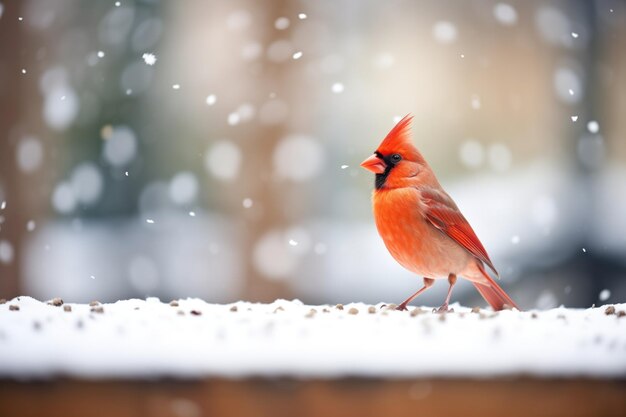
398, 140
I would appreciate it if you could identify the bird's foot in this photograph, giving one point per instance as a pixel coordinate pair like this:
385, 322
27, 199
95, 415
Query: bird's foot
443, 309
402, 307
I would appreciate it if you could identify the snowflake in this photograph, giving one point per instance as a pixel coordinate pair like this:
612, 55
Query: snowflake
149, 58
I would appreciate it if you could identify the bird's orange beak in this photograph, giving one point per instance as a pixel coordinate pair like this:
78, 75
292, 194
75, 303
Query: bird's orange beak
374, 164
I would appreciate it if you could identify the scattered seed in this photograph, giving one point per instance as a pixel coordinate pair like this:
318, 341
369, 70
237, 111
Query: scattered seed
325, 310
621, 313
180, 312
417, 311
174, 303
353, 311
13, 307
233, 309
57, 302
561, 316
609, 310
339, 306
80, 324
279, 308
311, 313
482, 316
3, 300
534, 315
67, 308
475, 309
196, 312
36, 325
371, 310
97, 309
442, 316
94, 303
136, 308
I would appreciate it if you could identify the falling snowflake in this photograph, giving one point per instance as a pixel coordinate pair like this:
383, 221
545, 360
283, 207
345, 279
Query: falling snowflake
100, 54
192, 213
574, 35
281, 23
149, 58
604, 295
344, 166
176, 86
302, 16
3, 205
574, 118
233, 118
297, 55
211, 99
23, 70
247, 202
293, 242
149, 221
593, 126
337, 88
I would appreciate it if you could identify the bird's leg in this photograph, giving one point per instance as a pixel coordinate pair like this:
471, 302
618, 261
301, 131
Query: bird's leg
444, 307
428, 282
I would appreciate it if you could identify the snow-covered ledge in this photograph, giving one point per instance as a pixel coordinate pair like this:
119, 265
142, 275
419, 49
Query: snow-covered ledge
191, 338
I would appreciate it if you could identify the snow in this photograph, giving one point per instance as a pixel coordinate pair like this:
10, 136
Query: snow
297, 55
444, 32
505, 14
149, 58
337, 88
191, 338
298, 158
593, 126
211, 99
6, 252
574, 118
604, 294
281, 23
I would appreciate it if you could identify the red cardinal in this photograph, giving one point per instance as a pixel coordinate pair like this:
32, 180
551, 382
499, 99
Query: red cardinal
421, 225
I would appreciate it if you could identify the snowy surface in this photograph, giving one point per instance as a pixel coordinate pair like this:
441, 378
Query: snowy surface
146, 338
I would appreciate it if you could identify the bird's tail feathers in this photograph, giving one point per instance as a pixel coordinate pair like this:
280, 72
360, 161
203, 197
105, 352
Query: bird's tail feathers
493, 293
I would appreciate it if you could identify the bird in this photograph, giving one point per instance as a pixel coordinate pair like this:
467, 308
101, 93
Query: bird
421, 225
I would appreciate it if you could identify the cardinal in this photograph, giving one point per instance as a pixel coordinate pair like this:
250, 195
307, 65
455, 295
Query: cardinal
421, 226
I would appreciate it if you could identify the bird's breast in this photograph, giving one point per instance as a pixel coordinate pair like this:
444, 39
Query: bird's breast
411, 239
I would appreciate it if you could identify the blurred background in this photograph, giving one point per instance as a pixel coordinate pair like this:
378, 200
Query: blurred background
211, 149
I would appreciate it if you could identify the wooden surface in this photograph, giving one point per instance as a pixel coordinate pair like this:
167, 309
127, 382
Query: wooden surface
291, 398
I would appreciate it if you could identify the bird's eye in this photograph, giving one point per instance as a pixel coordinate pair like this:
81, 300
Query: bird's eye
396, 157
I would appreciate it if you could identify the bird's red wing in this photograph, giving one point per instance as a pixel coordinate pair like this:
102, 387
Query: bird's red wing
443, 214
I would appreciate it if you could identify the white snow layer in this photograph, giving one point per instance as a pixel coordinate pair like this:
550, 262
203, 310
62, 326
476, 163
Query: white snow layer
137, 338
